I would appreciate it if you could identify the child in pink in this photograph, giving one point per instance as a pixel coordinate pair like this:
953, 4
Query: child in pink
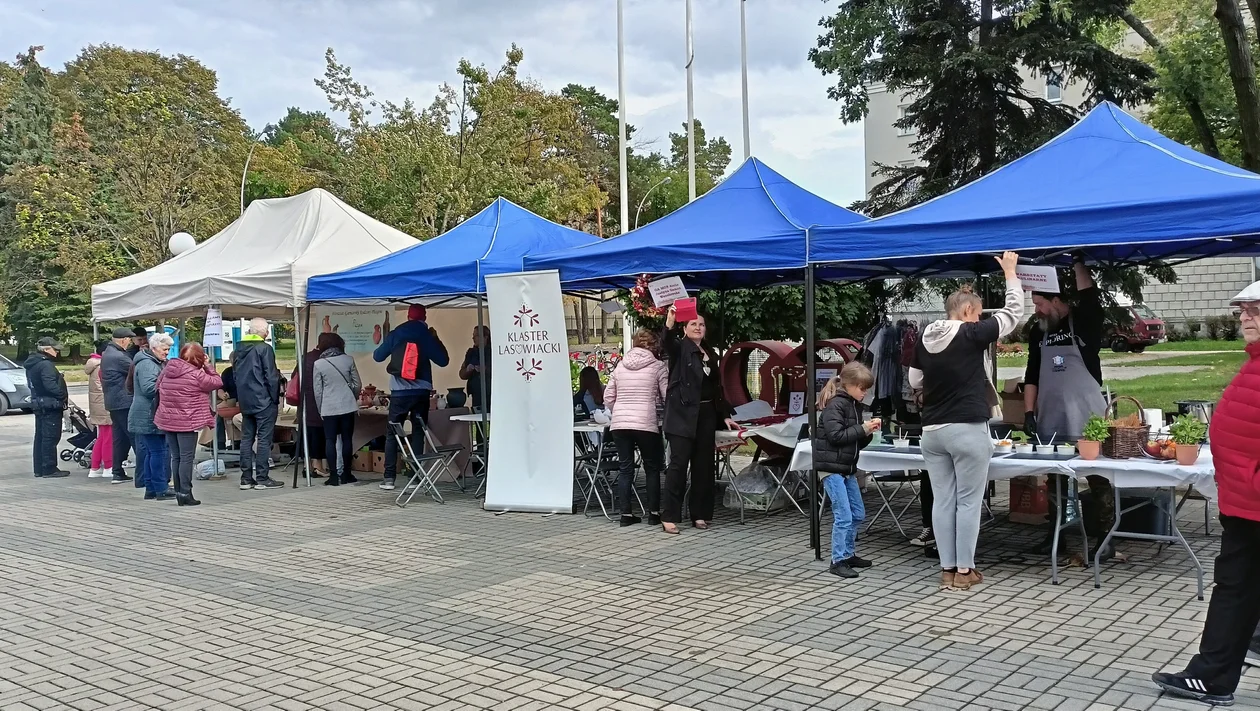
103, 449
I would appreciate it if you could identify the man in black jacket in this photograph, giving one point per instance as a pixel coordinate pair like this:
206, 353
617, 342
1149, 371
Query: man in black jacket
49, 397
258, 395
115, 364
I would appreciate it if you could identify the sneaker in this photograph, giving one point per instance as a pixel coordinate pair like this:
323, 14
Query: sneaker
1188, 687
246, 485
924, 538
387, 485
96, 473
268, 484
856, 562
55, 474
842, 569
947, 578
1253, 657
120, 479
164, 496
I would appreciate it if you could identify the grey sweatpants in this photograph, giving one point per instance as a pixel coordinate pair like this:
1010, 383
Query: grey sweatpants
957, 458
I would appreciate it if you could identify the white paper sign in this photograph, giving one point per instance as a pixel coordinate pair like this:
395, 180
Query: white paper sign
1038, 278
212, 334
362, 329
612, 307
666, 291
822, 376
796, 403
531, 452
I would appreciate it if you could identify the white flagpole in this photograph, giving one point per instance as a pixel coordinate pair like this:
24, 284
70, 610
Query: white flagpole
691, 114
743, 55
621, 117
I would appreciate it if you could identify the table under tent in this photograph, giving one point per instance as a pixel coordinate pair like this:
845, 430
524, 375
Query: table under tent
257, 266
1109, 186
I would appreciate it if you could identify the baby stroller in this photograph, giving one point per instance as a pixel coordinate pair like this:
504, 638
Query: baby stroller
80, 449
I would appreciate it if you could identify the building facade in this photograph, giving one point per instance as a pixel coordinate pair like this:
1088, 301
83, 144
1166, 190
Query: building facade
1203, 287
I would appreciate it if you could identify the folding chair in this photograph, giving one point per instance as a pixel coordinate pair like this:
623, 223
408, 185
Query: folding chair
902, 479
449, 452
600, 466
425, 468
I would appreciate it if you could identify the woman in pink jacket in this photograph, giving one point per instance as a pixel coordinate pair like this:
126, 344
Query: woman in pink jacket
635, 393
184, 410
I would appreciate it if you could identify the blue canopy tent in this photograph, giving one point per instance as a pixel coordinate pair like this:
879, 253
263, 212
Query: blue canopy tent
1109, 185
749, 230
453, 264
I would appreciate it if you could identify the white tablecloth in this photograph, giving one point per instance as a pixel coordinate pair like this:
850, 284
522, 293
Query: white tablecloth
1123, 473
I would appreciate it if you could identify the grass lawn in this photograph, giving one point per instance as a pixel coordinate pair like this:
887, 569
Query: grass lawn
1199, 345
1163, 391
1207, 359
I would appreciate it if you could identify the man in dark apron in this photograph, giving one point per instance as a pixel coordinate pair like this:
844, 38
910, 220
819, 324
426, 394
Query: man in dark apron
1063, 382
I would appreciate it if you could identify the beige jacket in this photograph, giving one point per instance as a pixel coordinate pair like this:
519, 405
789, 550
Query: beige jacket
97, 414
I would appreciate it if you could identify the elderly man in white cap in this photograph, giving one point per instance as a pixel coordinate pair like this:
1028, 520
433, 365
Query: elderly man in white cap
1234, 612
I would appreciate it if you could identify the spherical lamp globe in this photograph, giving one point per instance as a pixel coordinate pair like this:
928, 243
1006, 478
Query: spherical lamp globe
181, 242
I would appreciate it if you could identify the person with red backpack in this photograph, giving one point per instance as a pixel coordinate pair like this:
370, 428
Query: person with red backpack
412, 350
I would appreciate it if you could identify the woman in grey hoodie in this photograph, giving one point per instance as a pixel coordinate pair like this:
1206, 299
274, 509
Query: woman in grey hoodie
336, 382
952, 367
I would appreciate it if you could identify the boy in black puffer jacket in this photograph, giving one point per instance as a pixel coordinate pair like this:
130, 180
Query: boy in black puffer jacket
840, 438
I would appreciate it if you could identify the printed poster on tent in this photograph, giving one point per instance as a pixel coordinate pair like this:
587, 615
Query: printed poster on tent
531, 443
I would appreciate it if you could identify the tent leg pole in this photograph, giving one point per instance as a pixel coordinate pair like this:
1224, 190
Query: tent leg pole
96, 333
811, 398
300, 348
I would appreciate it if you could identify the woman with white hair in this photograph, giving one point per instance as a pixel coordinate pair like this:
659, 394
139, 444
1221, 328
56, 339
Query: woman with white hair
951, 365
143, 381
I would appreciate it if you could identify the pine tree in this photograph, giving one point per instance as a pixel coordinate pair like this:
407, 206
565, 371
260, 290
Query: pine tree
26, 124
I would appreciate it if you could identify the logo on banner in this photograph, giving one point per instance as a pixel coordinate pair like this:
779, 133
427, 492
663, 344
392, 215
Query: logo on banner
525, 317
528, 372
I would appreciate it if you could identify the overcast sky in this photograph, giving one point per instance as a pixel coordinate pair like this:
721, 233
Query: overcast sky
267, 53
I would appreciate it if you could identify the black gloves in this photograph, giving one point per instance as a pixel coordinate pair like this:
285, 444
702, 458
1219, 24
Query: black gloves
1030, 424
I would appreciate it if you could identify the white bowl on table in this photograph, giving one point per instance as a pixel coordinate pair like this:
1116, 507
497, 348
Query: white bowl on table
1023, 449
999, 448
1045, 449
901, 443
1069, 449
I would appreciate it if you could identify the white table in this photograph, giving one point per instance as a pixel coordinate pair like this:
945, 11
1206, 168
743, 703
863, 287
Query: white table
1122, 473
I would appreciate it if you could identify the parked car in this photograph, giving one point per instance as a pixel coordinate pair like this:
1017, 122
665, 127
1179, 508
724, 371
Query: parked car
14, 392
1132, 327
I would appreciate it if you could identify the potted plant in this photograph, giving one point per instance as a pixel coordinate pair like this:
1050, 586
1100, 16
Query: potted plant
1187, 433
1095, 432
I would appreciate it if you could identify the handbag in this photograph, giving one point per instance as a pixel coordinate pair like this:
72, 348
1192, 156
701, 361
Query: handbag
292, 391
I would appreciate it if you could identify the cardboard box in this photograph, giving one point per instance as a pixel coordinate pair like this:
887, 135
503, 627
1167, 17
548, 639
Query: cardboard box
378, 462
362, 461
1012, 396
1030, 502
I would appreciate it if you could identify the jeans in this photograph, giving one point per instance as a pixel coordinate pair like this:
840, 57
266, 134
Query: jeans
142, 459
183, 449
1234, 609
47, 437
847, 511
257, 429
652, 448
156, 475
343, 426
122, 443
406, 405
957, 458
701, 453
103, 448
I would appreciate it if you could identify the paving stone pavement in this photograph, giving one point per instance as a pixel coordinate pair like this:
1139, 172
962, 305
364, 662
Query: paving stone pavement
336, 599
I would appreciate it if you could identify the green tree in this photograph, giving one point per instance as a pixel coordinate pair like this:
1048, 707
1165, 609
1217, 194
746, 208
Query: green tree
26, 131
960, 62
778, 313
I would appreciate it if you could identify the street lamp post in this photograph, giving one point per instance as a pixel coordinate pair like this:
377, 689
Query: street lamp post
663, 181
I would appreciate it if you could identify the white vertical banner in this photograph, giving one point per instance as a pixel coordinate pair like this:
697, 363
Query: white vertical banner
531, 436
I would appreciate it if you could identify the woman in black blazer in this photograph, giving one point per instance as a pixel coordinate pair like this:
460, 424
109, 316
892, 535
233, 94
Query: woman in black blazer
694, 409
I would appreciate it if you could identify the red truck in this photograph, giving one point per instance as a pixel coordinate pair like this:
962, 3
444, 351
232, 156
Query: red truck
1132, 327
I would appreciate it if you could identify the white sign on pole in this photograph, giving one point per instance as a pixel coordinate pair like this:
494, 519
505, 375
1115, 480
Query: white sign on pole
212, 334
1038, 278
796, 403
666, 291
361, 329
531, 450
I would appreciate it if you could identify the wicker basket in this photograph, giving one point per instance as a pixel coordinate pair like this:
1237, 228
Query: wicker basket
1126, 442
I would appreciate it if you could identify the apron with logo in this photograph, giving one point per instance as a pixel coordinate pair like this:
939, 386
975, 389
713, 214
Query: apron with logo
1067, 394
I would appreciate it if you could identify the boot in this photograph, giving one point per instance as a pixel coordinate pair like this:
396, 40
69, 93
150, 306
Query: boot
187, 500
332, 480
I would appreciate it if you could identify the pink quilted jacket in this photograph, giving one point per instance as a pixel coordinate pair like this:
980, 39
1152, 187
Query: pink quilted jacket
635, 390
184, 397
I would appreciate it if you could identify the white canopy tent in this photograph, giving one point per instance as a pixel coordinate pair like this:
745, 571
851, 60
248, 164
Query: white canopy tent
257, 266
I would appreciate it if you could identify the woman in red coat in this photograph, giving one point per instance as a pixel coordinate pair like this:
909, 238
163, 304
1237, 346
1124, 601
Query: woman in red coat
1213, 673
184, 410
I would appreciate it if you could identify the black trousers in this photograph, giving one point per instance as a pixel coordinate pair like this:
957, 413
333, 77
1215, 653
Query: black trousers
47, 437
700, 452
1234, 610
182, 449
122, 440
652, 448
343, 426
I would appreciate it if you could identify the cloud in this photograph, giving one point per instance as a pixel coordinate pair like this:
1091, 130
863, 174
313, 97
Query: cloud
267, 55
